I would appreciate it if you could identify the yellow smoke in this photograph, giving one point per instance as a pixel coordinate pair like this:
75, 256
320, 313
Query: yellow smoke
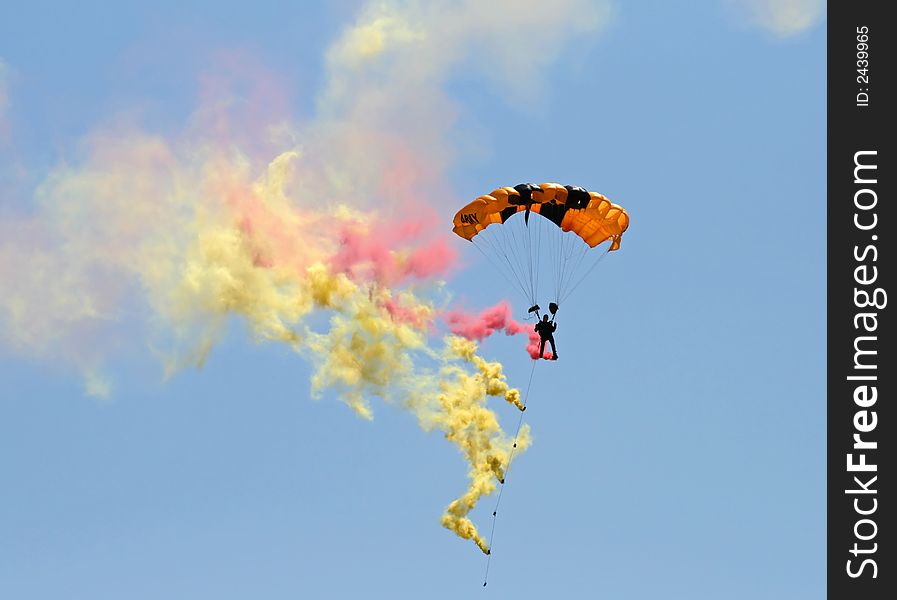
244, 247
195, 228
469, 424
365, 352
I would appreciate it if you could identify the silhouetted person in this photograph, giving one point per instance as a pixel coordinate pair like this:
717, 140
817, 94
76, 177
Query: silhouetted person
545, 329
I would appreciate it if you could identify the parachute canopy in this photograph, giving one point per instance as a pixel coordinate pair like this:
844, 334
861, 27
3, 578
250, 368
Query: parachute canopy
571, 221
589, 215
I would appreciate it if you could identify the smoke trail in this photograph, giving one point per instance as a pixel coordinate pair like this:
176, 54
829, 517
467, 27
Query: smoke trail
480, 326
248, 213
273, 264
490, 321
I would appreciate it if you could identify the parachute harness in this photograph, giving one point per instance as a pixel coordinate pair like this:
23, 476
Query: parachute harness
507, 471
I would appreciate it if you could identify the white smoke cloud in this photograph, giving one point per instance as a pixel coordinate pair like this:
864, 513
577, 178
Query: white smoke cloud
784, 18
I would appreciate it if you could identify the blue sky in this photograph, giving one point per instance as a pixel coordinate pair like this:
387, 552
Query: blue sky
677, 446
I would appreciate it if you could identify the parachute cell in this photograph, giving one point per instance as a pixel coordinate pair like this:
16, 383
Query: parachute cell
570, 222
590, 215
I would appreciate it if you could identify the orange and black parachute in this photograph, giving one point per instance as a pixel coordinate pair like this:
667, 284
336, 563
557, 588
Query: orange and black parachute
572, 222
589, 215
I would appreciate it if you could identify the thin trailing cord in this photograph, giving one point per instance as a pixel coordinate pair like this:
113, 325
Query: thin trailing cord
507, 470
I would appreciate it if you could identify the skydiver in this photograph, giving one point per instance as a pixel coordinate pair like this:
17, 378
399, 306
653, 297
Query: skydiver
546, 329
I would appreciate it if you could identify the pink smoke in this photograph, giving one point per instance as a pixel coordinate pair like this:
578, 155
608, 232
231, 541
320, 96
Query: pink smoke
480, 326
391, 254
239, 97
532, 347
492, 320
408, 315
273, 240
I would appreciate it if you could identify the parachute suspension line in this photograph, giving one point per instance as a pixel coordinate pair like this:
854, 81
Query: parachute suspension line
562, 264
507, 470
573, 247
568, 259
558, 257
573, 268
586, 274
552, 257
562, 240
497, 244
521, 235
541, 226
515, 248
498, 266
533, 257
487, 248
516, 251
527, 254
509, 253
506, 249
568, 272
